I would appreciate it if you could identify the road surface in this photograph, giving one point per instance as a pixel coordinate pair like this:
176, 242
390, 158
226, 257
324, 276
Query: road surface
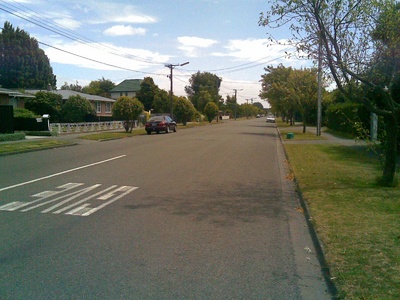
204, 213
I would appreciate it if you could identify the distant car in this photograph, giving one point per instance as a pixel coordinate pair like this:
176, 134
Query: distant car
159, 124
270, 119
258, 116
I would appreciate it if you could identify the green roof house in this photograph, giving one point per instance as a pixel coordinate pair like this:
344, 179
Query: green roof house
128, 87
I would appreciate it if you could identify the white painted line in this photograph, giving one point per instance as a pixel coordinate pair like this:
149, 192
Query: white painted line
61, 173
83, 200
74, 195
127, 191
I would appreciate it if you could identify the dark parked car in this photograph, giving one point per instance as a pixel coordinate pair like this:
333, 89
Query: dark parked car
160, 123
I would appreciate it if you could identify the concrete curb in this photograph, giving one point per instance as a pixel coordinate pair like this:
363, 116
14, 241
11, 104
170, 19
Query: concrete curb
314, 236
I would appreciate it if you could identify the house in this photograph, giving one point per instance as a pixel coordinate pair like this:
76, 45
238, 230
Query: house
14, 98
103, 106
128, 87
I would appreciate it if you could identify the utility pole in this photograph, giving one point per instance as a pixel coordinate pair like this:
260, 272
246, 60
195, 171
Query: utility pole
171, 67
236, 90
319, 114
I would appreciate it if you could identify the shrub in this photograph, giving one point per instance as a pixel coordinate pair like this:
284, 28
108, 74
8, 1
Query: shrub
347, 117
24, 113
77, 109
12, 137
211, 111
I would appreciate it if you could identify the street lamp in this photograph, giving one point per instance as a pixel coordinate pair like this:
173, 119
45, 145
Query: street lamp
171, 67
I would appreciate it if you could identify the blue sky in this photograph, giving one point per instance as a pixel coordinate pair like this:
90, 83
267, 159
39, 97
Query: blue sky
137, 38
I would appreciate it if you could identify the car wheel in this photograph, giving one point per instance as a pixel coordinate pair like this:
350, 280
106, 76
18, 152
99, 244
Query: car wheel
175, 128
148, 132
167, 130
157, 132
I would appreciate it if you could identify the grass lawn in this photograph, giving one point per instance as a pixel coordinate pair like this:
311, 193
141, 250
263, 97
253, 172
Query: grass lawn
357, 221
18, 147
297, 130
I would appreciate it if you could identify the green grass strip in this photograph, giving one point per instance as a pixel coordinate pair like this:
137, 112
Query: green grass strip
357, 220
19, 147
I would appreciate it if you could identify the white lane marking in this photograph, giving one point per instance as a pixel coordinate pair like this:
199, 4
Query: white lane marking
79, 208
76, 195
81, 201
127, 191
61, 173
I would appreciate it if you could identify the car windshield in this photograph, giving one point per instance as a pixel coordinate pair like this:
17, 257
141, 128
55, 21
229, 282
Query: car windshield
158, 118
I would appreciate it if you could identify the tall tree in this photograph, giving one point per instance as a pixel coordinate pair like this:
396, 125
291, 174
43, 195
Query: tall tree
147, 92
350, 33
203, 82
303, 90
101, 87
22, 63
161, 102
277, 94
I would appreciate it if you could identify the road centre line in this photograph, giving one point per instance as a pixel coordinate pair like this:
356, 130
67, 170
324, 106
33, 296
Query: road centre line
61, 173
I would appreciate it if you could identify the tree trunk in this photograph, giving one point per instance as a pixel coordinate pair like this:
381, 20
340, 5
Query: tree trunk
389, 169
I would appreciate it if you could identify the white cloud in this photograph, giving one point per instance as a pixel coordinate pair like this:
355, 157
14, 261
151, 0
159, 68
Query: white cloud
190, 45
107, 12
120, 30
254, 50
68, 23
114, 56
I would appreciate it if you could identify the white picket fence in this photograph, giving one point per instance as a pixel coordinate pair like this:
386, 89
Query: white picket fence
63, 128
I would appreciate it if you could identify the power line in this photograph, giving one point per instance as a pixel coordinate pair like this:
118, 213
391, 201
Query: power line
22, 12
99, 62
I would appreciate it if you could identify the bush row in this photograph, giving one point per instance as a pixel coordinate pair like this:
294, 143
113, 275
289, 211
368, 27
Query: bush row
12, 137
346, 117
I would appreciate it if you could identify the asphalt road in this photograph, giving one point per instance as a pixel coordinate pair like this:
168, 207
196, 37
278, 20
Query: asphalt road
204, 213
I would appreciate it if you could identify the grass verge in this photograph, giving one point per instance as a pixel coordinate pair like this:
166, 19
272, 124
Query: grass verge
357, 221
19, 147
112, 135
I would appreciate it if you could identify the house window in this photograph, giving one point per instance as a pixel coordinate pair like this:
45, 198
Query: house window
98, 107
108, 107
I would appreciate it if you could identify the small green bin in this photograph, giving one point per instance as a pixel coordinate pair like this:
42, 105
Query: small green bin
290, 135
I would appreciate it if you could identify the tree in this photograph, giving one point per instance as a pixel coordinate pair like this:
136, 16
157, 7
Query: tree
101, 87
73, 87
128, 109
161, 103
275, 91
201, 100
45, 103
302, 88
184, 110
211, 111
147, 92
77, 109
22, 63
201, 83
359, 43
